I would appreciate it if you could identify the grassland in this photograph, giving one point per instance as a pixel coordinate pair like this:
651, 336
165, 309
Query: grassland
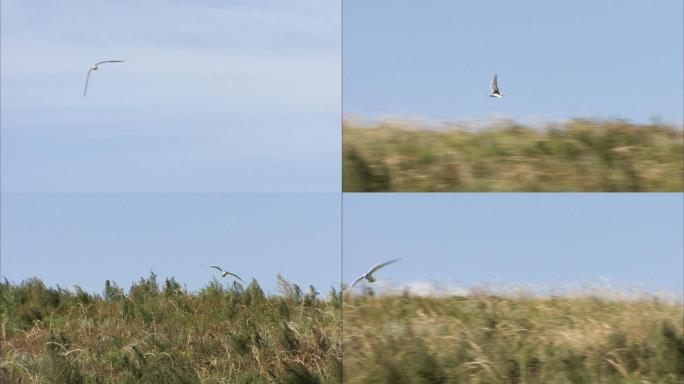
484, 338
163, 334
578, 155
154, 334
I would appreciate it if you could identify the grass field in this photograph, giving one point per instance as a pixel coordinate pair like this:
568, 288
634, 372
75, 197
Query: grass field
484, 338
578, 155
155, 334
162, 334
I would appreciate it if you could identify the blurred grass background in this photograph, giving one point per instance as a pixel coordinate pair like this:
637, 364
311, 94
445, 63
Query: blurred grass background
577, 155
487, 338
159, 333
164, 334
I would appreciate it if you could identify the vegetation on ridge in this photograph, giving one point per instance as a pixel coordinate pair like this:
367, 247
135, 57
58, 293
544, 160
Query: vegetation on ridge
578, 155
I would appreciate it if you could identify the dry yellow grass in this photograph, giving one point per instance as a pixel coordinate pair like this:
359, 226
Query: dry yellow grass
493, 339
152, 335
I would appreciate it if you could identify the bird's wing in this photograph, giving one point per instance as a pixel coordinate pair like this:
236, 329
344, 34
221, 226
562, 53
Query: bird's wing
494, 86
382, 265
217, 267
85, 89
110, 61
234, 275
354, 283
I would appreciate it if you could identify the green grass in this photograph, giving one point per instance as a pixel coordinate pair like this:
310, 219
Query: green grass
484, 338
578, 155
155, 334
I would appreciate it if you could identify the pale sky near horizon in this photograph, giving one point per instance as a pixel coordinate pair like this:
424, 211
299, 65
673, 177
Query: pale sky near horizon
535, 240
434, 59
541, 240
85, 239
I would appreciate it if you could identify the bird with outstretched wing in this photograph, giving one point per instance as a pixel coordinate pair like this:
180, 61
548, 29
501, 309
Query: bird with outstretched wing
94, 67
225, 273
369, 275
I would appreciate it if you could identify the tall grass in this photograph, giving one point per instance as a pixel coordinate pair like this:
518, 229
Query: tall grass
159, 333
484, 338
163, 334
578, 155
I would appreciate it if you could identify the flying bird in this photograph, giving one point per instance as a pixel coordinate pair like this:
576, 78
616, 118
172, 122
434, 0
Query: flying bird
226, 273
94, 67
494, 88
369, 275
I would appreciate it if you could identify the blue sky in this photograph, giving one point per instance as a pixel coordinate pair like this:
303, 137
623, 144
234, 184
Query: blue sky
221, 99
548, 240
534, 240
85, 239
215, 99
434, 59
214, 96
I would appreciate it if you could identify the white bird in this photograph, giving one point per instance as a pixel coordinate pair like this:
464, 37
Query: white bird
226, 273
494, 88
369, 275
94, 67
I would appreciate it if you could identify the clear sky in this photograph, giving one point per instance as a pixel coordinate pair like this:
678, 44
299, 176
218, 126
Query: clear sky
214, 96
434, 59
84, 239
534, 240
217, 98
222, 98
